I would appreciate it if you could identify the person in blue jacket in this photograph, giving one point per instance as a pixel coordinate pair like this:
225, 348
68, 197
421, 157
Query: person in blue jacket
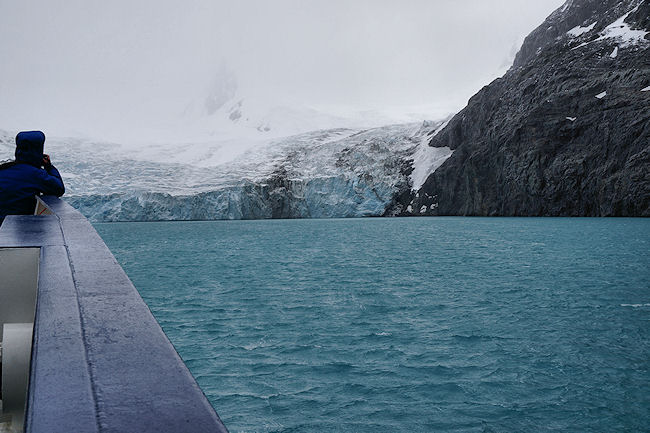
32, 173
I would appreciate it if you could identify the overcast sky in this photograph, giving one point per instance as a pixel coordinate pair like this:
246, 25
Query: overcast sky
96, 65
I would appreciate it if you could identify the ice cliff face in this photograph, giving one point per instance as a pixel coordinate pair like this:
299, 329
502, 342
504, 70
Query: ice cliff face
566, 131
330, 173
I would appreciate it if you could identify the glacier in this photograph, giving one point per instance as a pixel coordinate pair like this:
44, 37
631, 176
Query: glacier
332, 173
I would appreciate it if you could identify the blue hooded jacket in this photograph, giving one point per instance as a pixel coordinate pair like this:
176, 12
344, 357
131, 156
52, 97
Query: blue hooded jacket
21, 180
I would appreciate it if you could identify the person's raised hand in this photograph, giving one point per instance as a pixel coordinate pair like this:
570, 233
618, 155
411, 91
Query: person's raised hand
46, 160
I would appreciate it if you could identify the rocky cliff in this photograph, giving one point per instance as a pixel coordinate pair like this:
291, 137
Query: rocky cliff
565, 132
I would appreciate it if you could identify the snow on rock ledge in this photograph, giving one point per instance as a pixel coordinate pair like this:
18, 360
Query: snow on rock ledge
622, 31
578, 30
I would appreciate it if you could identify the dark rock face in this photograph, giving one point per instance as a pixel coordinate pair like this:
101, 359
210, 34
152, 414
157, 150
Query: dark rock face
545, 139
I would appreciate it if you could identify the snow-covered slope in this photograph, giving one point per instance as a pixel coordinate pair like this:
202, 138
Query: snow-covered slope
327, 173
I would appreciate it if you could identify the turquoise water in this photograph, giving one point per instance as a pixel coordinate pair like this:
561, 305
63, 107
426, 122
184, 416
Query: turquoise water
405, 325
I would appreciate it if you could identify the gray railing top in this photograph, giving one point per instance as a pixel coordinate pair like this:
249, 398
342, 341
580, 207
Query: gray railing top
100, 361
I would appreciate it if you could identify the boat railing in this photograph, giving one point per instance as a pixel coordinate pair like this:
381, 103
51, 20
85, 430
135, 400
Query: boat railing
80, 350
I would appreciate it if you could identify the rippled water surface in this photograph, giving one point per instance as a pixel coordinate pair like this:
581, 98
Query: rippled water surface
405, 325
